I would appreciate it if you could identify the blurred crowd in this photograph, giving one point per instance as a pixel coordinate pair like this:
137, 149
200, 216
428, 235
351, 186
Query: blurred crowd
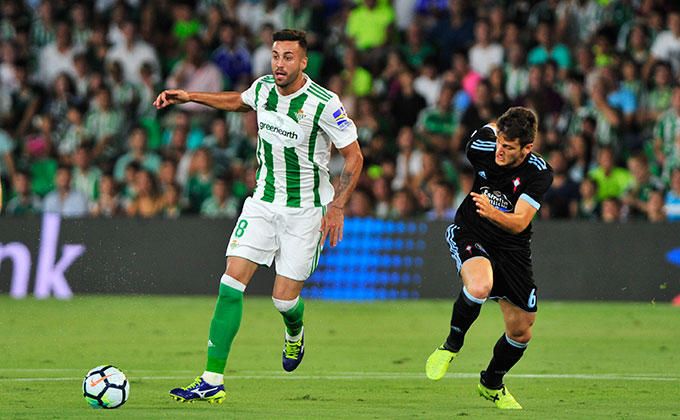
79, 134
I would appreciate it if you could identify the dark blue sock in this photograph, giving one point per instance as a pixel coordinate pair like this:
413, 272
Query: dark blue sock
465, 311
506, 353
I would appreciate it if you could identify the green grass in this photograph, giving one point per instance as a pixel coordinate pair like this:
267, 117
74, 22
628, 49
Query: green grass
364, 360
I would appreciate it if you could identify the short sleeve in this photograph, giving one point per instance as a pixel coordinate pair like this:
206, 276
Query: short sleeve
337, 125
534, 192
250, 95
482, 142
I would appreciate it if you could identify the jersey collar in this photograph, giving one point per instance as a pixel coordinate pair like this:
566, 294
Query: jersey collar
308, 81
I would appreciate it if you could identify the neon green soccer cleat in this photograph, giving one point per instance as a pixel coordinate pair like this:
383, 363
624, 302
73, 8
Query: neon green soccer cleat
438, 363
501, 397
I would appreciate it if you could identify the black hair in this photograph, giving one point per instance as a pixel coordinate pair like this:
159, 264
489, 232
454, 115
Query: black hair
292, 35
519, 123
225, 178
135, 166
23, 172
446, 184
86, 145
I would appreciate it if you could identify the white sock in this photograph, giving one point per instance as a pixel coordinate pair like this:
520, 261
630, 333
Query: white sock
294, 337
213, 378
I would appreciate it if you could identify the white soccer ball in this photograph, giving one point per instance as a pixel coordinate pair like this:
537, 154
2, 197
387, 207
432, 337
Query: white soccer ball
106, 387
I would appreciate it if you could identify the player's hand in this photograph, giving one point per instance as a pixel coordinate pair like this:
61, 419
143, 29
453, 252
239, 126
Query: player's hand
484, 207
331, 225
171, 97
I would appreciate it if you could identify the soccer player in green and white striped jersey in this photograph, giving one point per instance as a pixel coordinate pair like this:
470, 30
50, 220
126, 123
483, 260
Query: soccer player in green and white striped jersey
294, 206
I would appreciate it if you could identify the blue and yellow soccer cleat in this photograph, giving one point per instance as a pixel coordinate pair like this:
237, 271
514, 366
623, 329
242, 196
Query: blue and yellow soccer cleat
438, 363
199, 390
293, 351
501, 397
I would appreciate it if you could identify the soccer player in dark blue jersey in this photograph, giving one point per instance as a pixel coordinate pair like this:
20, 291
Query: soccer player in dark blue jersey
490, 244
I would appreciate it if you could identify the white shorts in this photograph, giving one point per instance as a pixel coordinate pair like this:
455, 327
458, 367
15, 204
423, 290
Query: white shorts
266, 232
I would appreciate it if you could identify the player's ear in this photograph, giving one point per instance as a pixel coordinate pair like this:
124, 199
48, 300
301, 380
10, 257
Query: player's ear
303, 62
528, 148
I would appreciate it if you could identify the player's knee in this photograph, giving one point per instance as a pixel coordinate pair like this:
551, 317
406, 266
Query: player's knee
520, 335
284, 305
236, 272
479, 290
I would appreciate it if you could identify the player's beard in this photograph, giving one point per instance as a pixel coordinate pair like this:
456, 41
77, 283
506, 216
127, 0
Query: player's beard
292, 77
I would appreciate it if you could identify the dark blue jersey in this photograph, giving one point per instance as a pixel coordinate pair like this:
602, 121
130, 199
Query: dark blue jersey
504, 187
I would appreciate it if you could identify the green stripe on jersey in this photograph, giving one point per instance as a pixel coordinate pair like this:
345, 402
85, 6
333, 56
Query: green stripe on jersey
258, 150
257, 93
312, 149
296, 105
319, 97
269, 178
322, 91
292, 177
272, 100
293, 198
268, 79
318, 93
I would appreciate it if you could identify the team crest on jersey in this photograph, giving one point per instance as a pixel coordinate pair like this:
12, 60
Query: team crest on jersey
341, 118
498, 200
300, 115
515, 184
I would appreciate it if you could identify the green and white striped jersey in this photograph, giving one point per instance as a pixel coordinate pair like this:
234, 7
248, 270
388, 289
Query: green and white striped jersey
294, 141
667, 129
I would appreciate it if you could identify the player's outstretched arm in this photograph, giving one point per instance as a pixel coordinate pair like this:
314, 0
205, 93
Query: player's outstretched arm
333, 221
514, 222
228, 101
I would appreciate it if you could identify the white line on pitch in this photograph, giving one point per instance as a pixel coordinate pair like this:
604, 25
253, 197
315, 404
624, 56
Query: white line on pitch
378, 375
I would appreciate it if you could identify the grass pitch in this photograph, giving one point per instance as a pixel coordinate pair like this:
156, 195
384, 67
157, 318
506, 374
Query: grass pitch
363, 360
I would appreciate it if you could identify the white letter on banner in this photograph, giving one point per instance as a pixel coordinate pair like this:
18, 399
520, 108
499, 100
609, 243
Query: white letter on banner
50, 276
21, 267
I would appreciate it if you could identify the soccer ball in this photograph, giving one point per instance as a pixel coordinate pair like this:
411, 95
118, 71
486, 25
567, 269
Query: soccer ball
106, 387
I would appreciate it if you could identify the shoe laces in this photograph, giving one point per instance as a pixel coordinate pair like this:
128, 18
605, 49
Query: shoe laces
293, 348
194, 384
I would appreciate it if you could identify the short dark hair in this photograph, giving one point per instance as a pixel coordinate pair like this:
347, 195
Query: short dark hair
446, 184
224, 178
26, 173
86, 145
64, 167
292, 35
520, 123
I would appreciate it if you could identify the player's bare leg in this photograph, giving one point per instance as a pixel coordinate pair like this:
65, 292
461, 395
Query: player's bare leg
506, 353
223, 328
477, 276
287, 300
241, 269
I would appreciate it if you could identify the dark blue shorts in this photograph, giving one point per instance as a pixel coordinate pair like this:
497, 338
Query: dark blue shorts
512, 271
